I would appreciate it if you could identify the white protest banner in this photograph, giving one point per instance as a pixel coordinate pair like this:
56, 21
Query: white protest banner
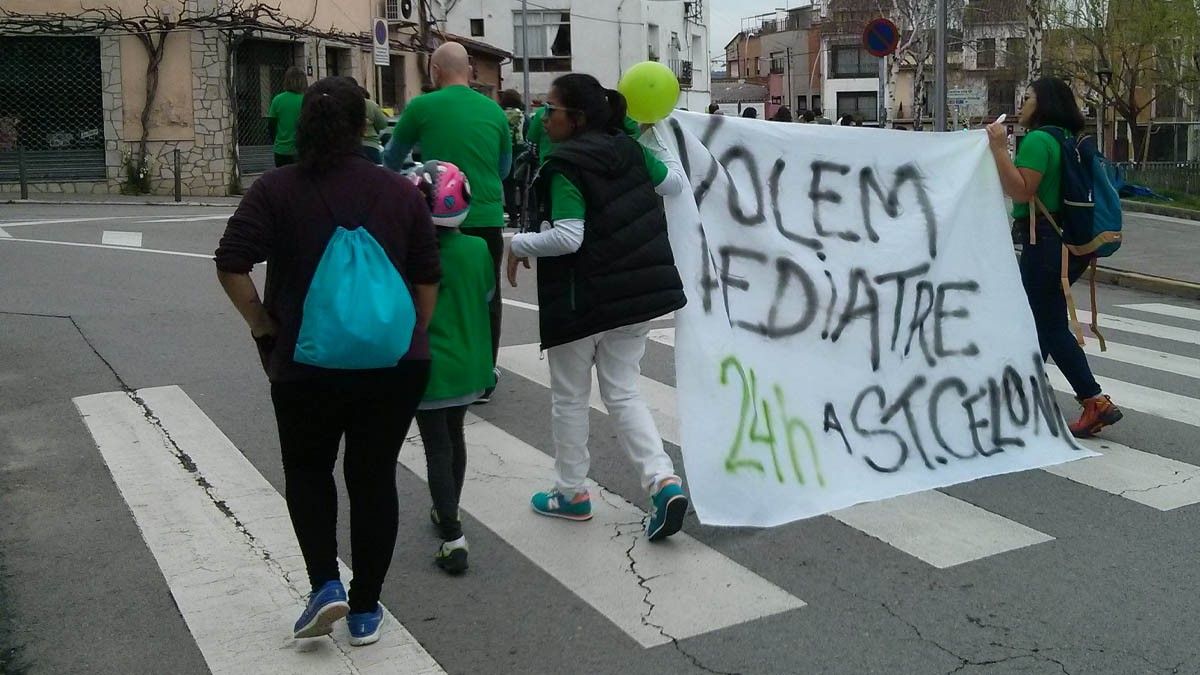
856, 327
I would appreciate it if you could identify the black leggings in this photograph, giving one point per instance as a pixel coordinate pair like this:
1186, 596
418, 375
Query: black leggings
494, 236
373, 410
1041, 274
446, 462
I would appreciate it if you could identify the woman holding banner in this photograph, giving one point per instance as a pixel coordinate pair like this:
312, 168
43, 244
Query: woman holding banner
605, 271
1035, 177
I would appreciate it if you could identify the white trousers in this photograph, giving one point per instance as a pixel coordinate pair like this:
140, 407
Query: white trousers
617, 356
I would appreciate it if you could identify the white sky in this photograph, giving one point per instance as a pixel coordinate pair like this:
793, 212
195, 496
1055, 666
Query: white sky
726, 17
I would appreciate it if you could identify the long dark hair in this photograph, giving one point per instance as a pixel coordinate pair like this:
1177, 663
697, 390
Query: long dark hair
331, 123
511, 98
602, 109
1056, 105
294, 80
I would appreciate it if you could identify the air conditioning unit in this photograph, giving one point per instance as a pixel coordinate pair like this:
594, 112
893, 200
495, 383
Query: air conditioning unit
396, 10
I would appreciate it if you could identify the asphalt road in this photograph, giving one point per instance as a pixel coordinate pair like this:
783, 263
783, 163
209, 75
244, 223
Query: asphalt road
88, 586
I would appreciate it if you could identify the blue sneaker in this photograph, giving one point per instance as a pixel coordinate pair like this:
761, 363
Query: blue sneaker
326, 605
557, 505
666, 518
364, 626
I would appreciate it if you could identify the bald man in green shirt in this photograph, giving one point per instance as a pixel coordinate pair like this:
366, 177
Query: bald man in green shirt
459, 125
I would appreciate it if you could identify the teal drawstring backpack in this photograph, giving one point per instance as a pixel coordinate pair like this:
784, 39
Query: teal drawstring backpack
358, 313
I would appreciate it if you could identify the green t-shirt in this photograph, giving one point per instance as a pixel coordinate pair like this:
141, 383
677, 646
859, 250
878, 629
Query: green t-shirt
1041, 152
459, 125
376, 122
537, 133
460, 334
285, 110
566, 201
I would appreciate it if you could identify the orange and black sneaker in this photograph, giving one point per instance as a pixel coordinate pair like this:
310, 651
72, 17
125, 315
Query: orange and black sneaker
1098, 412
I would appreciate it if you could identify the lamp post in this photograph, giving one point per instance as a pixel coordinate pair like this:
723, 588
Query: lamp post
1104, 77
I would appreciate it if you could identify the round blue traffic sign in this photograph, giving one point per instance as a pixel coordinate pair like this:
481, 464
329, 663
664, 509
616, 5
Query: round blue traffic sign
881, 37
381, 31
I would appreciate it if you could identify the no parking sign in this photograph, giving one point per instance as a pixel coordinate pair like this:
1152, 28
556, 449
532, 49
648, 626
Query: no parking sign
881, 37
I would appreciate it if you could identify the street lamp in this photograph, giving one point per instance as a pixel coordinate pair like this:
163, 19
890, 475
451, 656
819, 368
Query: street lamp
1104, 76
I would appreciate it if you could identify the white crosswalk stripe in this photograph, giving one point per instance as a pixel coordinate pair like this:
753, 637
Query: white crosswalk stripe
1148, 328
1190, 313
1147, 358
223, 540
594, 559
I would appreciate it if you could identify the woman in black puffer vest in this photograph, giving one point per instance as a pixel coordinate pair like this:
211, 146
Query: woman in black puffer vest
605, 270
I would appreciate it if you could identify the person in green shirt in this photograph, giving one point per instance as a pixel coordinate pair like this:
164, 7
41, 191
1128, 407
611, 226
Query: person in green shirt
460, 345
376, 122
1034, 182
284, 113
459, 125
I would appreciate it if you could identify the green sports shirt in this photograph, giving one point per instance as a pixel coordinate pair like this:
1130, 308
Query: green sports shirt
459, 125
285, 110
1041, 152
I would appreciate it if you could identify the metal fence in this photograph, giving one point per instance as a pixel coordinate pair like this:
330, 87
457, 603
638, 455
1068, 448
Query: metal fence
1177, 177
259, 69
51, 109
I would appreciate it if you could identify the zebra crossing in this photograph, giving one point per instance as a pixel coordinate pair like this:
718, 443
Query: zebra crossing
220, 532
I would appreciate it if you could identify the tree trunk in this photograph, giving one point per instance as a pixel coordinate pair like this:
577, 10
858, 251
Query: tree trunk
154, 53
1033, 42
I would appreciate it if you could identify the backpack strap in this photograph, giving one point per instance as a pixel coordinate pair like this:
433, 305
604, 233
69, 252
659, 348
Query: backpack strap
1095, 311
1066, 287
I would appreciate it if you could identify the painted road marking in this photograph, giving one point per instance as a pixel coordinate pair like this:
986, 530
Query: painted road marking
680, 588
60, 221
1158, 330
1158, 482
1155, 402
521, 305
76, 244
115, 238
3, 234
1176, 311
957, 533
1147, 358
188, 219
939, 529
230, 583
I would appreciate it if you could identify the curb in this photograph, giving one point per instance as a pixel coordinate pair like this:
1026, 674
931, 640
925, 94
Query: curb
77, 202
1159, 210
1146, 282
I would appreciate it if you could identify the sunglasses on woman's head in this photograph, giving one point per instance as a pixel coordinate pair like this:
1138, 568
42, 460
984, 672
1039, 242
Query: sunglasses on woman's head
551, 108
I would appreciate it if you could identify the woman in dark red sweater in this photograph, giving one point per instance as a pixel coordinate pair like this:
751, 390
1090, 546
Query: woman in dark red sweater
287, 219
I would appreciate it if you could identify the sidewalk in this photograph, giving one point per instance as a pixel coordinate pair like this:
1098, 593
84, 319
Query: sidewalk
119, 200
1159, 253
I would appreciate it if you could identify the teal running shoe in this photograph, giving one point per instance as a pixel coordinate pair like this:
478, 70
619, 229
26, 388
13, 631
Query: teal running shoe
670, 505
557, 505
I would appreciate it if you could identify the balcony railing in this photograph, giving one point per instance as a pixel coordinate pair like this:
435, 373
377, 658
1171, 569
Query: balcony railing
683, 71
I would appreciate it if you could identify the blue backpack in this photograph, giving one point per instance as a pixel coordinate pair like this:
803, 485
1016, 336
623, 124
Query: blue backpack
358, 313
1090, 219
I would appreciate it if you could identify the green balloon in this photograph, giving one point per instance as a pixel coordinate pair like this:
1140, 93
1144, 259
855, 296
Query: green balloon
651, 90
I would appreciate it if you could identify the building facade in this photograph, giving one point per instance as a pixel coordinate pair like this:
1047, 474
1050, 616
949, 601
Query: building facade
600, 38
71, 105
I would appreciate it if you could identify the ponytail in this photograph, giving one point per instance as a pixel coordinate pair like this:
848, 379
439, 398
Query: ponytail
331, 123
619, 108
602, 109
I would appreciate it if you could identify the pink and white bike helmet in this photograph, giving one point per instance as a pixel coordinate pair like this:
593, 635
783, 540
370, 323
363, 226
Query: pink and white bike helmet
446, 190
